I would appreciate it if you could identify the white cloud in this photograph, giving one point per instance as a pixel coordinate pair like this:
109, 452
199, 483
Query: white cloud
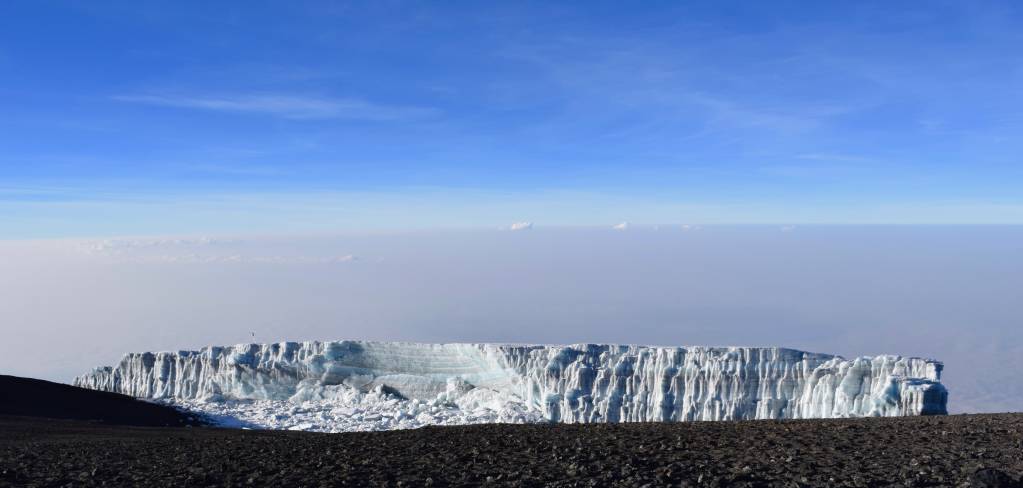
521, 226
287, 106
119, 246
193, 258
202, 250
621, 226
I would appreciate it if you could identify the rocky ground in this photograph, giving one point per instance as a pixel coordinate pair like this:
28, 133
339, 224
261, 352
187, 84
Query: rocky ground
969, 450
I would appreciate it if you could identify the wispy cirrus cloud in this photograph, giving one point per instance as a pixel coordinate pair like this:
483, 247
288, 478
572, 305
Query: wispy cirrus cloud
837, 158
236, 170
286, 106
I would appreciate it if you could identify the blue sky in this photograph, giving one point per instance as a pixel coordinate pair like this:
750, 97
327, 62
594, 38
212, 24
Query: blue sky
182, 117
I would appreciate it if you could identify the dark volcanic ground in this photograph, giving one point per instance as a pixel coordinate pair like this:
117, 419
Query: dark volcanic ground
39, 398
921, 451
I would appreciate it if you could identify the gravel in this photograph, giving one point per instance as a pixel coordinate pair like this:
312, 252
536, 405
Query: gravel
959, 450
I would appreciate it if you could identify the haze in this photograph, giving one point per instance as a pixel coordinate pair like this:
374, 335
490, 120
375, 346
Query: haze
948, 292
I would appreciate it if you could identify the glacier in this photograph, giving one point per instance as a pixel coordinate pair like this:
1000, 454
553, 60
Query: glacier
364, 385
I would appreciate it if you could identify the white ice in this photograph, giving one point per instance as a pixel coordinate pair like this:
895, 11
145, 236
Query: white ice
357, 385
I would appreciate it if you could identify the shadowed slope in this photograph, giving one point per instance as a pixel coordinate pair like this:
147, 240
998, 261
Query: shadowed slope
37, 398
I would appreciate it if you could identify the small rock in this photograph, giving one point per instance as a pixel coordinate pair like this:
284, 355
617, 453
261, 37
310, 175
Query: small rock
992, 478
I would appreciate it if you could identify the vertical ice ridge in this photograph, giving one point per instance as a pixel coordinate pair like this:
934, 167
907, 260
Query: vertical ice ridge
576, 383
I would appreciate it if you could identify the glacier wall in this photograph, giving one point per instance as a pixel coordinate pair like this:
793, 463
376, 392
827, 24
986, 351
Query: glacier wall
576, 383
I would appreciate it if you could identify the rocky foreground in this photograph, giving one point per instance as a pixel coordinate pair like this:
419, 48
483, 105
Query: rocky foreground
961, 450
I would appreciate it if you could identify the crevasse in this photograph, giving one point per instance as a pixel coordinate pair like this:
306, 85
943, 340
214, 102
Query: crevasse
574, 383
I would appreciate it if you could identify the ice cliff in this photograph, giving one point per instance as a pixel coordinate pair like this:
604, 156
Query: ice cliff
577, 383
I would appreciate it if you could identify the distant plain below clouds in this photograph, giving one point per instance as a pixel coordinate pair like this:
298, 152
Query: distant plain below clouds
947, 292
